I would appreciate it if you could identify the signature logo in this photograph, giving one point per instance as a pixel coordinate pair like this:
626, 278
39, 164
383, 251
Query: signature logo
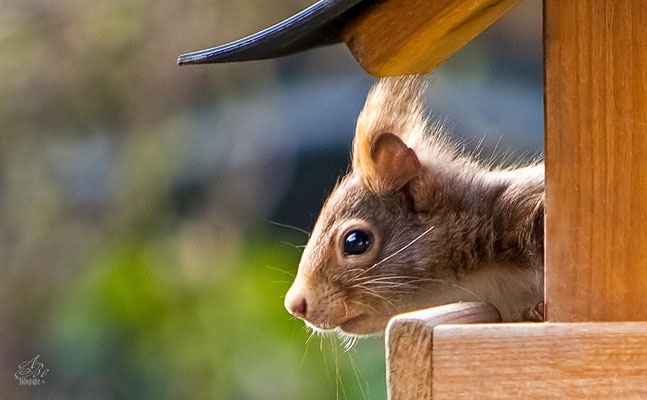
31, 372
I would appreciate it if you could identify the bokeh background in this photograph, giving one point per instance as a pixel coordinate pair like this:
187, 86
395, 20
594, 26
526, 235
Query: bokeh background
137, 256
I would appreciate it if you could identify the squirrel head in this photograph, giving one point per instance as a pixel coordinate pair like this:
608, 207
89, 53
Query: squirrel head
363, 263
416, 224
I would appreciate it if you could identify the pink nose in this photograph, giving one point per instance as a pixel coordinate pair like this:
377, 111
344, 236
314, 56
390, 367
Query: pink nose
296, 305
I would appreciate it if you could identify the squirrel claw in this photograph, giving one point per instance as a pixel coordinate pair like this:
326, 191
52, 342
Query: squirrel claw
534, 313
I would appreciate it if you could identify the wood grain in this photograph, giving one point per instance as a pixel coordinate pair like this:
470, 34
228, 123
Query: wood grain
540, 361
397, 37
596, 160
408, 345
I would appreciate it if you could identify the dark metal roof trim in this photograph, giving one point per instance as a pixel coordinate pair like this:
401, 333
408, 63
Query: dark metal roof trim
317, 25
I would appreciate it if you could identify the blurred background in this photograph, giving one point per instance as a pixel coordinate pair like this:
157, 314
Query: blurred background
137, 257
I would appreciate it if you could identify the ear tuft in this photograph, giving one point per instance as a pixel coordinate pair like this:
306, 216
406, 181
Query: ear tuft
385, 161
395, 163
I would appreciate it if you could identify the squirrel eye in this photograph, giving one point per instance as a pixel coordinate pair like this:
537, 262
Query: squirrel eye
356, 242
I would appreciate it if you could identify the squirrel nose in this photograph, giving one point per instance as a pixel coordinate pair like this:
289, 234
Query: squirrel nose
296, 304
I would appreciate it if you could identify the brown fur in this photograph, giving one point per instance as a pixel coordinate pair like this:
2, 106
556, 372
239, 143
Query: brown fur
455, 231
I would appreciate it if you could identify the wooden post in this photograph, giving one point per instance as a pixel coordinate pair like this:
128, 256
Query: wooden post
596, 160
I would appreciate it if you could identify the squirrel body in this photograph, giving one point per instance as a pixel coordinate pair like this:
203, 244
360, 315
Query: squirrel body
417, 224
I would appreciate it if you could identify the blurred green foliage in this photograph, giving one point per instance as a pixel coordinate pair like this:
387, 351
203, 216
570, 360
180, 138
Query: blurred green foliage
147, 286
129, 328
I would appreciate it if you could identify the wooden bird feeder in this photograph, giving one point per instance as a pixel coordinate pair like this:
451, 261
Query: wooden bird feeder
593, 343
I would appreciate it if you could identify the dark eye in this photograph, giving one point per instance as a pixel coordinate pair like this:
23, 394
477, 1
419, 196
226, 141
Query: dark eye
356, 242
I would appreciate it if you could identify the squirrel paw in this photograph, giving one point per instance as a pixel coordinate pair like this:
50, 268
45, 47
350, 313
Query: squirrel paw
534, 313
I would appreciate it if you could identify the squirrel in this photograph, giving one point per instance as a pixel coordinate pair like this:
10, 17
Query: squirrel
418, 223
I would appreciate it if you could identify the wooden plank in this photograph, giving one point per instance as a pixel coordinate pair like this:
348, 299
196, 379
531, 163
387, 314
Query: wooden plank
408, 345
540, 361
399, 37
596, 160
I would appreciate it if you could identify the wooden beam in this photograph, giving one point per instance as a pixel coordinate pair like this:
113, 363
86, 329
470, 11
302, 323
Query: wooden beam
397, 37
596, 160
540, 361
408, 345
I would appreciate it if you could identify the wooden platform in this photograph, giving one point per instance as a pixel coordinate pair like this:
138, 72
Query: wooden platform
539, 361
525, 360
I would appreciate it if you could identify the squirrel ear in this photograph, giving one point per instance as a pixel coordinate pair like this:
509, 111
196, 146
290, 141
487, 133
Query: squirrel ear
395, 163
386, 161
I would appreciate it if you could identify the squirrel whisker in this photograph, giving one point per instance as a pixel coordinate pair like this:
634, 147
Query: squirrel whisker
399, 251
